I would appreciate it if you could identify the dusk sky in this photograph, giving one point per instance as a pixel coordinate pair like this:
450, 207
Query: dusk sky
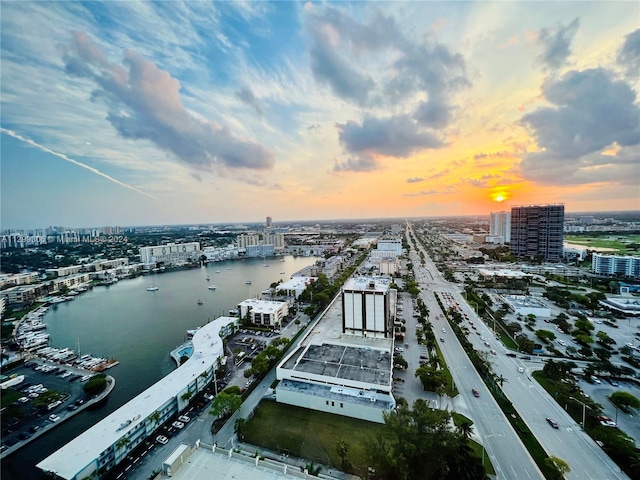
132, 113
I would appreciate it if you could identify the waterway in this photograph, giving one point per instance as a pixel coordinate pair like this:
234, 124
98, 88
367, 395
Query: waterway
139, 328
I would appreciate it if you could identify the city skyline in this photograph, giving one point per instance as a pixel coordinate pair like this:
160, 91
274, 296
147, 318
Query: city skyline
134, 113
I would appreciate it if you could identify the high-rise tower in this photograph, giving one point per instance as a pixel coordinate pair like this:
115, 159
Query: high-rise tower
536, 232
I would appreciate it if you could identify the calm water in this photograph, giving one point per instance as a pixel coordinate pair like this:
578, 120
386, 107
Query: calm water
140, 328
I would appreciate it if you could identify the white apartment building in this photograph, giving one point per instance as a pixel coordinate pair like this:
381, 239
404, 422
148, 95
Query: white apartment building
247, 240
626, 266
19, 279
296, 285
275, 239
264, 313
171, 254
217, 254
500, 226
64, 271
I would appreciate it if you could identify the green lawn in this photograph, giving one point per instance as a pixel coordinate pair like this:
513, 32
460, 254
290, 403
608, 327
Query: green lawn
313, 435
309, 434
607, 241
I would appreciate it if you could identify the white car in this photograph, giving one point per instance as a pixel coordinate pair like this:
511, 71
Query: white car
184, 419
178, 425
162, 440
54, 418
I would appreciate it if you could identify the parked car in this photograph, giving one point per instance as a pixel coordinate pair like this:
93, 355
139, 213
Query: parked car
178, 425
54, 418
184, 419
605, 421
595, 379
475, 392
551, 422
162, 440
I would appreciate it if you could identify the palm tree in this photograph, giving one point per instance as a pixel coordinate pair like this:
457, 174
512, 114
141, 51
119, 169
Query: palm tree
441, 390
465, 428
435, 362
154, 417
500, 380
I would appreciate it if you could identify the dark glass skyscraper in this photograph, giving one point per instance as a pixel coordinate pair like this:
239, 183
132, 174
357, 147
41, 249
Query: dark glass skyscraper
536, 232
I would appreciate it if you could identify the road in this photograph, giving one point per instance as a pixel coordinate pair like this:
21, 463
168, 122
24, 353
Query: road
533, 403
507, 453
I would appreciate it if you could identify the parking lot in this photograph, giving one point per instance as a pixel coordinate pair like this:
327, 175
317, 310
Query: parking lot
48, 395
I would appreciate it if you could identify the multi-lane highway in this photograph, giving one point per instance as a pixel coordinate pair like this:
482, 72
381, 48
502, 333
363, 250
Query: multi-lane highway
533, 403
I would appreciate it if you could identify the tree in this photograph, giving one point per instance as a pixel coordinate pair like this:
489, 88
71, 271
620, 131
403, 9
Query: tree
154, 417
558, 465
545, 335
466, 428
225, 403
624, 400
240, 427
421, 444
430, 377
342, 449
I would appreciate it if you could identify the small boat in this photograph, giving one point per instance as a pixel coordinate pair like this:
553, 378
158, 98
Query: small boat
248, 282
212, 287
208, 278
200, 302
152, 289
217, 271
281, 273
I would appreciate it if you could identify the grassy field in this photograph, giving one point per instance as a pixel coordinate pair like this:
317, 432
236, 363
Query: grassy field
619, 243
309, 434
313, 435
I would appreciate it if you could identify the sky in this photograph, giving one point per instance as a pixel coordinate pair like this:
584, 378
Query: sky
139, 113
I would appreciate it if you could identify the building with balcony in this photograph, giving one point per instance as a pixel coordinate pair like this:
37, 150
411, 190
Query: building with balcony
616, 265
264, 313
537, 232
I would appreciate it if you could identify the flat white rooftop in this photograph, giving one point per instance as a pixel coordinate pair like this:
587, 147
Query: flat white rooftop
369, 284
73, 457
296, 282
263, 306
